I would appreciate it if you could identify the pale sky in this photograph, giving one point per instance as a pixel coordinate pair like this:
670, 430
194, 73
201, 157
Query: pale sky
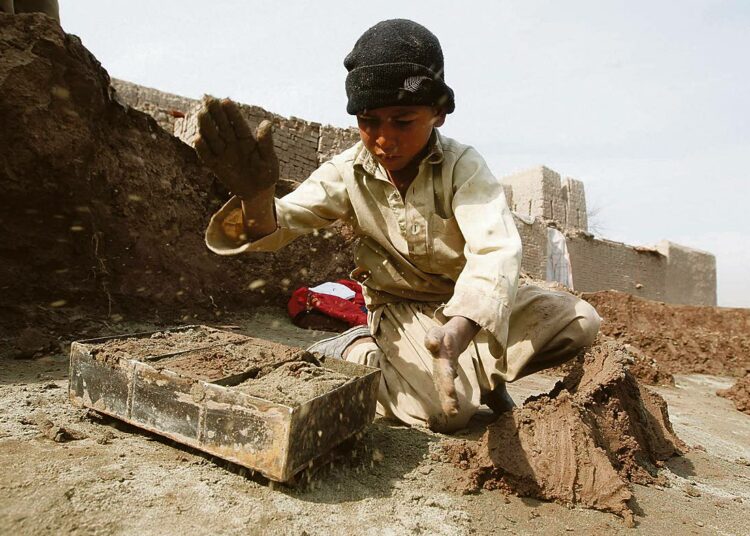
646, 102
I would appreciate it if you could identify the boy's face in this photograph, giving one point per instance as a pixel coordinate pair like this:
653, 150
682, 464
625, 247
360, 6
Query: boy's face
396, 135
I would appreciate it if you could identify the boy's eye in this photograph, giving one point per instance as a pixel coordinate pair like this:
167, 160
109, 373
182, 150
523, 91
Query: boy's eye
367, 123
404, 122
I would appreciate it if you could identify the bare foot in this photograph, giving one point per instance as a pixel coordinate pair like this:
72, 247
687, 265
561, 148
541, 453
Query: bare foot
446, 344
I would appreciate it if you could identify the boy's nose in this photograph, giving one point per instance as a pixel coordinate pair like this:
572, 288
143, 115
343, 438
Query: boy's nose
386, 143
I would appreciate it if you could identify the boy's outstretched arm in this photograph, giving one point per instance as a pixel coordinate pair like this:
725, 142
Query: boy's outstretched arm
245, 164
446, 343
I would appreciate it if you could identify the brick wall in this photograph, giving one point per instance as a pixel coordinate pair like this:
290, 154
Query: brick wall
691, 275
165, 108
574, 204
528, 192
300, 145
534, 239
540, 193
538, 196
603, 264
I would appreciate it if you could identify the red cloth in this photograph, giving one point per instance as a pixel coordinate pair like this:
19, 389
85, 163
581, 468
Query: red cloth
352, 311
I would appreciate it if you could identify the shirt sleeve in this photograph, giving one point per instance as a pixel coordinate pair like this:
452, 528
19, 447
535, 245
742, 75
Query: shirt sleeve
316, 203
486, 287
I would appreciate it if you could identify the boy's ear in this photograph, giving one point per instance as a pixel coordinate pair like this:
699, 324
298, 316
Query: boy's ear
439, 118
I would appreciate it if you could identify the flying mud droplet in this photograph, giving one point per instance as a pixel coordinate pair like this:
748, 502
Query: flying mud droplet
256, 284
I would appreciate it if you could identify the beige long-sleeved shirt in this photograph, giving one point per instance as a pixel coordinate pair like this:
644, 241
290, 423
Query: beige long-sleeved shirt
452, 238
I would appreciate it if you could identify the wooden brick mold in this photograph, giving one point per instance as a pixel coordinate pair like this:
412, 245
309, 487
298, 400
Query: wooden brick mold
189, 384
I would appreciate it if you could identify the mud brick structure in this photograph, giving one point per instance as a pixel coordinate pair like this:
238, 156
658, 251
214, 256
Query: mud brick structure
539, 197
666, 272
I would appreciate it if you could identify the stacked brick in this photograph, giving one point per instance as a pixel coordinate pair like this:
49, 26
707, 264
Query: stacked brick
574, 204
165, 108
603, 264
335, 140
540, 193
534, 239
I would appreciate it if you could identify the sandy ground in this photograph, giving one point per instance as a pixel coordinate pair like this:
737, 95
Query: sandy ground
118, 480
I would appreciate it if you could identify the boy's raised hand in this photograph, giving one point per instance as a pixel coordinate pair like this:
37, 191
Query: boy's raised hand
246, 164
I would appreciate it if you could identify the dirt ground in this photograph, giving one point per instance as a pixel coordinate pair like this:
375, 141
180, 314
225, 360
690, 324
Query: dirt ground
118, 480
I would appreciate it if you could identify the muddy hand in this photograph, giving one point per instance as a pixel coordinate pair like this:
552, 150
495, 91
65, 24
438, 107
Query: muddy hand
444, 368
246, 164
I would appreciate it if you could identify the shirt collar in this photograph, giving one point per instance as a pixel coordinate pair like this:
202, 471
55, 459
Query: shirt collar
434, 155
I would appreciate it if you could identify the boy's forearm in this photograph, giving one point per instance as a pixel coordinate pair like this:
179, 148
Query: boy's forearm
464, 330
259, 214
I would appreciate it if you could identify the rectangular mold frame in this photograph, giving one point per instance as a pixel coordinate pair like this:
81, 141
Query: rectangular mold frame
273, 439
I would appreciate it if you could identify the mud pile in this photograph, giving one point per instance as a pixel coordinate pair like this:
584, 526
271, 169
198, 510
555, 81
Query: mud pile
739, 393
682, 339
103, 210
582, 443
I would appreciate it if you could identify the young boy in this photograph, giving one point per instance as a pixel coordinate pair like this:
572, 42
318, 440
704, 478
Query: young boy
439, 253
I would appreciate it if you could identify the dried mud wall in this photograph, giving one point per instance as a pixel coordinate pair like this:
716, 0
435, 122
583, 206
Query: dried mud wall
165, 108
102, 208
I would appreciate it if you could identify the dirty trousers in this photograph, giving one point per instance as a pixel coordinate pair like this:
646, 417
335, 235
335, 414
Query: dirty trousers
546, 328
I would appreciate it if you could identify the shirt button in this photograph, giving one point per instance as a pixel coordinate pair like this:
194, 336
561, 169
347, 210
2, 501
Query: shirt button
415, 228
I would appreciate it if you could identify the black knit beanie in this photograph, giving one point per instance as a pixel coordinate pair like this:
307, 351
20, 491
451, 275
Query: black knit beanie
396, 63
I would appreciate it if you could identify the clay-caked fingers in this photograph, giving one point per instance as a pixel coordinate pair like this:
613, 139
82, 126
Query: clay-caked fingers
209, 132
264, 136
444, 371
220, 120
239, 125
203, 150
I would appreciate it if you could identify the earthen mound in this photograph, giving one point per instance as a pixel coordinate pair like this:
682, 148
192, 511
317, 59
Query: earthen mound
739, 393
105, 211
682, 339
581, 443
